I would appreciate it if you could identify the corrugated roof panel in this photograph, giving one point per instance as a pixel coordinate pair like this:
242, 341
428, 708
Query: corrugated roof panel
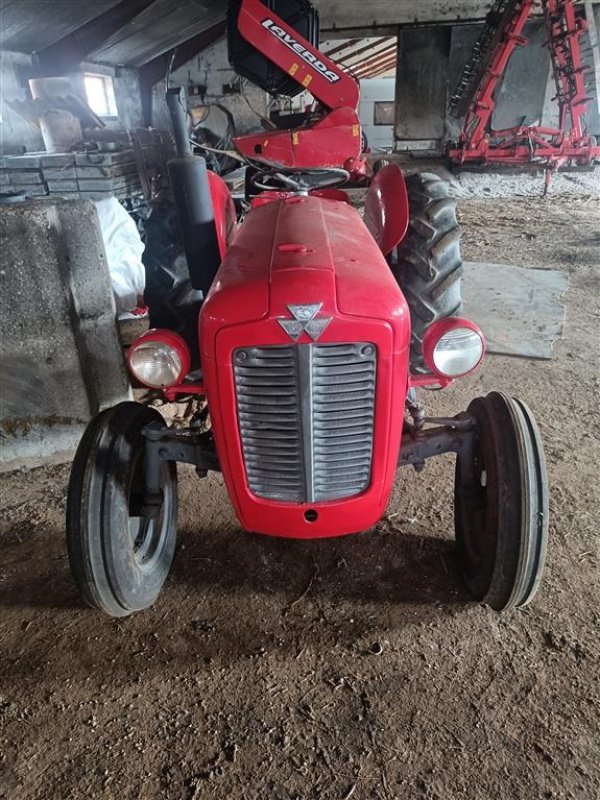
31, 25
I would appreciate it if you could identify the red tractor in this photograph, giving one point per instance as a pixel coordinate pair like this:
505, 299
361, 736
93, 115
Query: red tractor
316, 330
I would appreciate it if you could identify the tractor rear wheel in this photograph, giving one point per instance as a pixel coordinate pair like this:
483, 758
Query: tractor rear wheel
428, 264
501, 505
118, 557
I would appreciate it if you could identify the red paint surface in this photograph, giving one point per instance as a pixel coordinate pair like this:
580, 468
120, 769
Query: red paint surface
223, 209
292, 197
386, 208
331, 142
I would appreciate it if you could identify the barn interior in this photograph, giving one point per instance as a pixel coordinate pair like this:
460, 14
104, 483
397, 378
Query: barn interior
279, 666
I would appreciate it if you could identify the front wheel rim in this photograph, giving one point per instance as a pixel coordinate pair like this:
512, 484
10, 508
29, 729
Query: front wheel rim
147, 536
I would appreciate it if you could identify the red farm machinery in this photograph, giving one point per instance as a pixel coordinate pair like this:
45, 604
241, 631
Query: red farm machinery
317, 330
474, 99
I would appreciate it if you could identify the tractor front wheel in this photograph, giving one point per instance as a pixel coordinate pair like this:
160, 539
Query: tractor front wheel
428, 264
501, 505
119, 558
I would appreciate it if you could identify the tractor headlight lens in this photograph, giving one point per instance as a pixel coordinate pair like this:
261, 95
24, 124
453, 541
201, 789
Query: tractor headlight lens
155, 364
159, 359
457, 352
453, 347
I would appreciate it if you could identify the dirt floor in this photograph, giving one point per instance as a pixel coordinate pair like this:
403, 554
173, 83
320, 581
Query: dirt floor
352, 668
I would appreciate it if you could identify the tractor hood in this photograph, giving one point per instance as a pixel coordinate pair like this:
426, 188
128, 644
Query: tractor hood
307, 251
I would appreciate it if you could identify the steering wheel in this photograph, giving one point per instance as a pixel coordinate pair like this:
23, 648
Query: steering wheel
298, 180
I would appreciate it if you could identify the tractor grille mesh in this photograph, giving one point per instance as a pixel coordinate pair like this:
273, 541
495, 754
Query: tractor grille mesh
342, 419
306, 417
268, 401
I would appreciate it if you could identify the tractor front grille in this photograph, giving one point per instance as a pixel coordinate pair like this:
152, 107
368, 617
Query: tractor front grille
306, 415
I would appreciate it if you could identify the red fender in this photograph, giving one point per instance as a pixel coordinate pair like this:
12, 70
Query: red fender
386, 208
223, 209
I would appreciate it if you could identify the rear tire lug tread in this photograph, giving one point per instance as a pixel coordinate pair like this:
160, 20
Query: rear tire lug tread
428, 264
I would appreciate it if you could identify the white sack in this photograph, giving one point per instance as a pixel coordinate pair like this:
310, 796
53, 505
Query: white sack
124, 248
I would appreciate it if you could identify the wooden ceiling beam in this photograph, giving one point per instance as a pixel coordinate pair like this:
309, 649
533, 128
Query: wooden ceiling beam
340, 47
373, 46
381, 70
371, 62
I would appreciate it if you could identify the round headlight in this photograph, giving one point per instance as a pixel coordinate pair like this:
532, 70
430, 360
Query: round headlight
453, 347
159, 359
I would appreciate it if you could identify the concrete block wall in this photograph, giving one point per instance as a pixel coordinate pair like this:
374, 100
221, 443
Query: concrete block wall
61, 360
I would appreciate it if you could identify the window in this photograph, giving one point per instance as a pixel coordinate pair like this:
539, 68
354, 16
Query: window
385, 113
100, 94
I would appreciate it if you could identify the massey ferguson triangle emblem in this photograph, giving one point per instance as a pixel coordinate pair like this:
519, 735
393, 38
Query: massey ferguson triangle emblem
305, 321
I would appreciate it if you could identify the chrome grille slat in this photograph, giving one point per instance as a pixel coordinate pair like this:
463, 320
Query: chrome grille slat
331, 399
306, 417
341, 430
342, 447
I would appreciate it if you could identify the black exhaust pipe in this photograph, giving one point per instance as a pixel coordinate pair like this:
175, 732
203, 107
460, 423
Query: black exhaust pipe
191, 193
